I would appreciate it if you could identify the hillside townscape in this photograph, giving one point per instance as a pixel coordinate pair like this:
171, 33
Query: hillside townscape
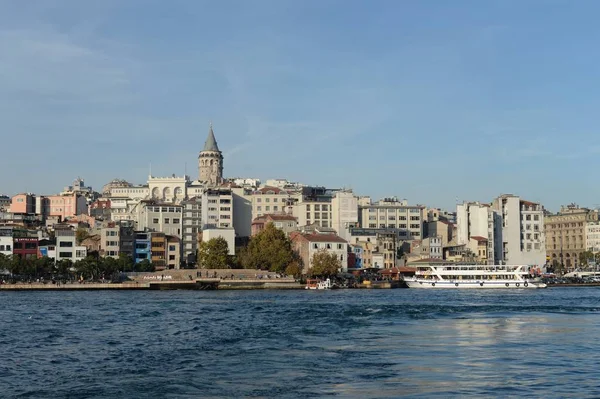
210, 221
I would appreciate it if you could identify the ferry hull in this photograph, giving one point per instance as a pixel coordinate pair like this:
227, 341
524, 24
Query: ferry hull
473, 284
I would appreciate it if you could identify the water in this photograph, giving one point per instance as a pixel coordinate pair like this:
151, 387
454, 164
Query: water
347, 343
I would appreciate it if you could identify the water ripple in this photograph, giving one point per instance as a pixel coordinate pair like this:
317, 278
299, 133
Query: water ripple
355, 344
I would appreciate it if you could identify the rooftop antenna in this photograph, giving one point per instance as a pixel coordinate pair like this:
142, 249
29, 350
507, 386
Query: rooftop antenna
150, 170
185, 170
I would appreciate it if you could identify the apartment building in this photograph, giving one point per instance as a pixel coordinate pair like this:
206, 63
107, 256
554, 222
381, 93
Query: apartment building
393, 214
519, 233
344, 213
273, 200
192, 226
217, 208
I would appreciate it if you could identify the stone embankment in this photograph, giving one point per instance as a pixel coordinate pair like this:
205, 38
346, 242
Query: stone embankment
193, 279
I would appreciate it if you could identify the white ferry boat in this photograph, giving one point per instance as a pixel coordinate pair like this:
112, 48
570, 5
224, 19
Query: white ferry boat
453, 275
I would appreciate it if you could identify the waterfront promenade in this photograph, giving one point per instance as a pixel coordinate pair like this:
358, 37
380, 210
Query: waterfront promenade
220, 279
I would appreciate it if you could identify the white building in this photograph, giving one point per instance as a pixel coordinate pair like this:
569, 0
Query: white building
592, 240
474, 219
6, 241
66, 246
520, 237
162, 217
227, 233
344, 213
242, 211
217, 208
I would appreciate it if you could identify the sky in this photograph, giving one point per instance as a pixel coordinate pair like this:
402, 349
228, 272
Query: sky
432, 101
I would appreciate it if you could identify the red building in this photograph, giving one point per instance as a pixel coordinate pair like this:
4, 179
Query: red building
26, 247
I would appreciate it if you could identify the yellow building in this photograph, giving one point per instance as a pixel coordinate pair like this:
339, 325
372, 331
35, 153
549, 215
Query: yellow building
566, 235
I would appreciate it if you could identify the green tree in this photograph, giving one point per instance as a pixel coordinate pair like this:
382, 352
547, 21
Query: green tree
294, 268
44, 266
4, 262
270, 249
81, 234
213, 254
63, 267
325, 264
144, 266
125, 263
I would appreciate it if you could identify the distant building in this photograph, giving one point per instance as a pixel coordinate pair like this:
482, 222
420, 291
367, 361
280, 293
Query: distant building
6, 241
192, 227
567, 235
344, 213
228, 234
287, 223
520, 237
308, 244
66, 246
393, 214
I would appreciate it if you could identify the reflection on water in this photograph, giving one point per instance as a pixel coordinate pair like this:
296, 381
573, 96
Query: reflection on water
357, 344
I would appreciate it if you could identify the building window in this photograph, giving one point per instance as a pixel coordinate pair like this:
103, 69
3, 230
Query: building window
175, 221
155, 220
65, 244
166, 220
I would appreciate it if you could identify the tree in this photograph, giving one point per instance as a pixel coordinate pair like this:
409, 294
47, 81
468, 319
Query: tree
80, 235
294, 268
270, 249
144, 266
63, 267
4, 261
125, 263
213, 254
325, 264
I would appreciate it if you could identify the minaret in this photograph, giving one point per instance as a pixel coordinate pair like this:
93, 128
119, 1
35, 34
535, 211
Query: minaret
210, 161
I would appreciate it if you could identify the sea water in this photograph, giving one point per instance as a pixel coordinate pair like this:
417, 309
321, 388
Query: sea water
301, 344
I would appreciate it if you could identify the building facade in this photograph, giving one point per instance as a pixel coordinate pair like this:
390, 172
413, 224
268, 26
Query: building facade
393, 214
519, 232
567, 235
308, 244
344, 209
286, 223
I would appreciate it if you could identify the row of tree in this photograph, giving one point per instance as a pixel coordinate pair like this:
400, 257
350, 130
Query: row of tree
92, 267
271, 249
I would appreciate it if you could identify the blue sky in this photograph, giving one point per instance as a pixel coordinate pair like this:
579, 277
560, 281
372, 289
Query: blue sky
431, 101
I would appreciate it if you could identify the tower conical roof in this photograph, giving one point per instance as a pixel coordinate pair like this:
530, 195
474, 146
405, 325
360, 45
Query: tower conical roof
211, 142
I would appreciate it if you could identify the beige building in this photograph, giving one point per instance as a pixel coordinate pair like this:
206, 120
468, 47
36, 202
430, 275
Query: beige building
393, 214
273, 200
286, 223
314, 212
566, 234
442, 229
308, 244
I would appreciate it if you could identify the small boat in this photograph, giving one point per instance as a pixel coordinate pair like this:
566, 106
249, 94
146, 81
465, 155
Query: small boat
316, 284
